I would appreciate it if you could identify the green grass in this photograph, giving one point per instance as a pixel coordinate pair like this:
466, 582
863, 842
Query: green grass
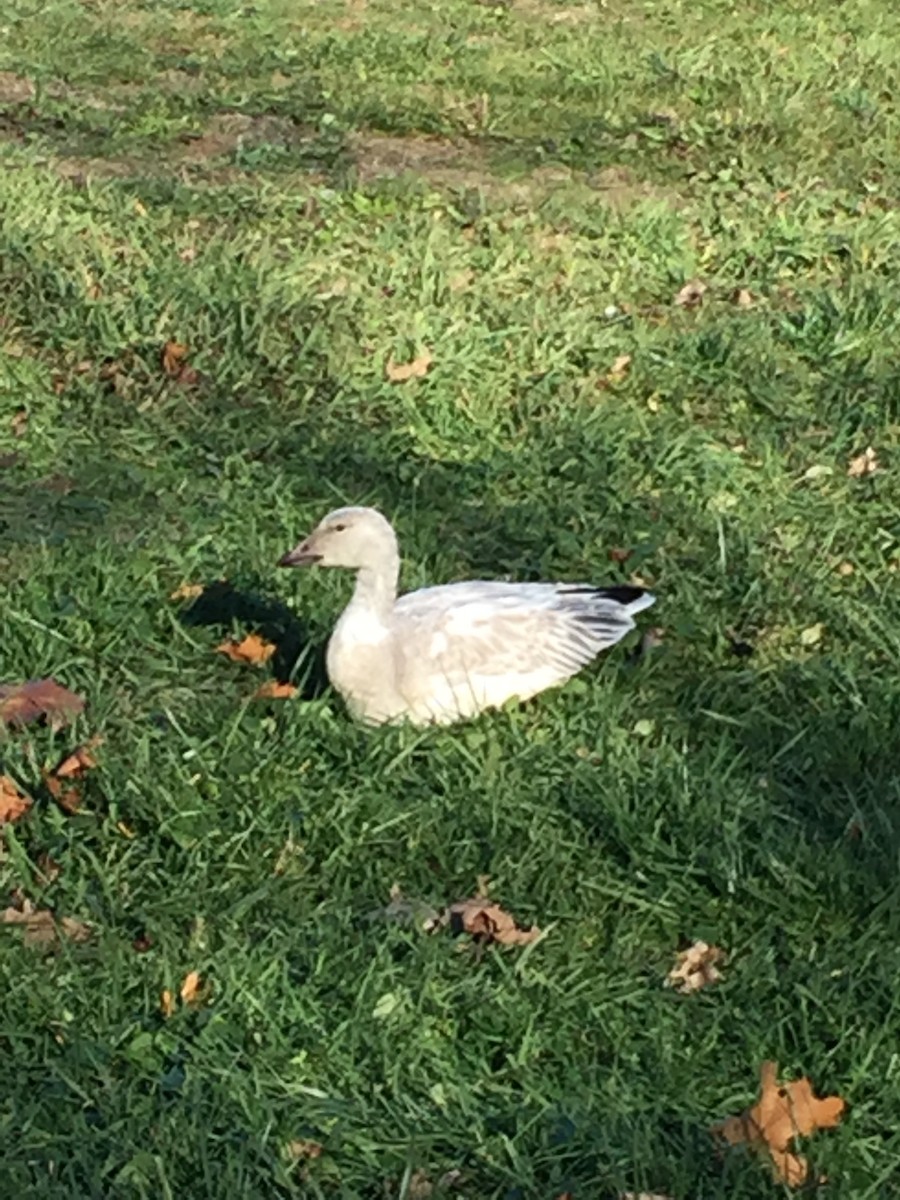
227, 175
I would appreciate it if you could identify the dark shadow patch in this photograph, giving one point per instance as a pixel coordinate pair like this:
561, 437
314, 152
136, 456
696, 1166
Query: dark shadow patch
222, 605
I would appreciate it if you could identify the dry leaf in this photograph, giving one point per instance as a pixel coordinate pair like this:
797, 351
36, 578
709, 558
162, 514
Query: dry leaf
488, 922
691, 294
783, 1112
253, 650
41, 927
863, 464
22, 703
845, 568
19, 422
174, 363
460, 280
743, 298
13, 804
618, 554
401, 372
72, 767
191, 991
187, 591
812, 635
619, 369
166, 1003
273, 690
695, 968
302, 1148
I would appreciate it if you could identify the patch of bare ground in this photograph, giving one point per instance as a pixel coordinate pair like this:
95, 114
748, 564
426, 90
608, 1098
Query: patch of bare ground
453, 163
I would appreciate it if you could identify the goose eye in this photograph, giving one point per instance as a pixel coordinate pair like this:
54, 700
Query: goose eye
339, 528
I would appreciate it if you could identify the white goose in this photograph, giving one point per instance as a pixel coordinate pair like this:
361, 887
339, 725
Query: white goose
445, 653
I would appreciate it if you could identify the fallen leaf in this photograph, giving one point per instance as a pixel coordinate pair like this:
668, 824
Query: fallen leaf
845, 568
273, 690
691, 294
863, 464
19, 422
618, 554
401, 372
252, 649
302, 1148
743, 298
13, 804
460, 280
40, 925
142, 943
188, 591
174, 363
80, 760
59, 781
191, 990
166, 1003
783, 1112
619, 369
695, 968
488, 922
37, 699
812, 635
48, 867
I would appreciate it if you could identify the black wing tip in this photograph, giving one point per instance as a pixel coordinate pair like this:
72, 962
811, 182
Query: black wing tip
619, 593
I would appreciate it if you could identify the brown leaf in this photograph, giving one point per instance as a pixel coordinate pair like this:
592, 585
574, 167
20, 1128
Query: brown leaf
252, 649
62, 783
188, 591
174, 363
488, 922
743, 298
273, 690
40, 925
691, 294
618, 554
401, 372
173, 356
48, 867
19, 422
13, 804
37, 699
191, 989
845, 568
783, 1112
863, 464
695, 968
9, 460
166, 1003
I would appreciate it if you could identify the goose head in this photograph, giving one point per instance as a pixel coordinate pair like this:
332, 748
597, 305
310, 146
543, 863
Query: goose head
355, 538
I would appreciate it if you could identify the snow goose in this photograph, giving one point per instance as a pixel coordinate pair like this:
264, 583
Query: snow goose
441, 654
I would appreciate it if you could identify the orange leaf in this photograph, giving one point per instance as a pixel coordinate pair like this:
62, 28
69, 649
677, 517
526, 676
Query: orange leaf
68, 798
22, 703
80, 760
167, 1003
273, 690
783, 1112
190, 988
401, 372
253, 649
173, 356
13, 804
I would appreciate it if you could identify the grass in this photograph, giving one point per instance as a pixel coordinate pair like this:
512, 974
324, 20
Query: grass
298, 191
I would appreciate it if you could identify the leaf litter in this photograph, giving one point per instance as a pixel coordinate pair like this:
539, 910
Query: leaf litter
783, 1112
695, 968
14, 804
64, 782
41, 927
863, 465
175, 366
402, 372
691, 295
36, 700
487, 922
252, 650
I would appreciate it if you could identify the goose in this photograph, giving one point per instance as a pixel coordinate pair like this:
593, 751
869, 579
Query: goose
443, 654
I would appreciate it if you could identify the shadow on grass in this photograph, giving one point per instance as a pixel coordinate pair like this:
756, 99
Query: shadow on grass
222, 605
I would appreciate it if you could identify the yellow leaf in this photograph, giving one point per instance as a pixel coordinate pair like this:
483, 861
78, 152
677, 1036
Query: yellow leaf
166, 1003
187, 591
190, 988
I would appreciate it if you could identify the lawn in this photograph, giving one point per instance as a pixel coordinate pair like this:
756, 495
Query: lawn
301, 193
